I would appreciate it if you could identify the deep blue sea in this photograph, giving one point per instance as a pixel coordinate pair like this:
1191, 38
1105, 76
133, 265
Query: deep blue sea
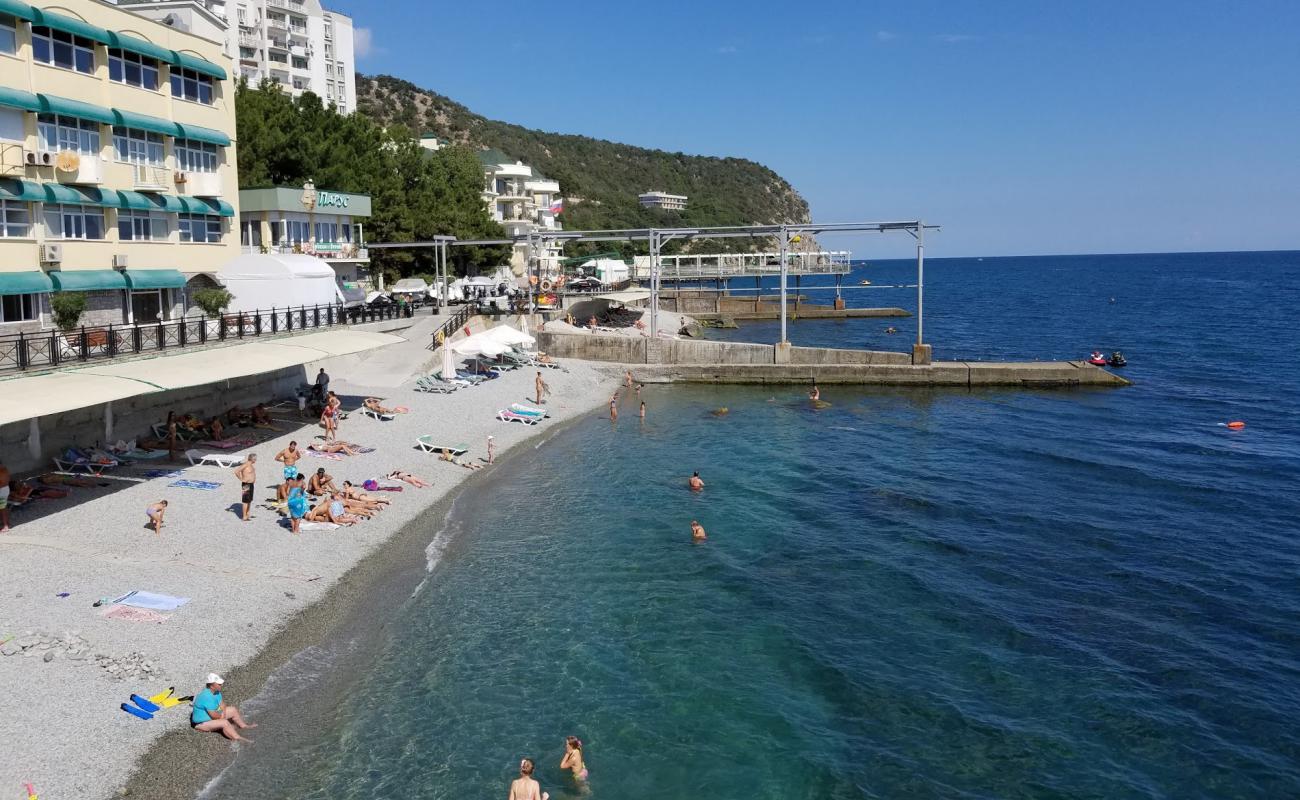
909, 594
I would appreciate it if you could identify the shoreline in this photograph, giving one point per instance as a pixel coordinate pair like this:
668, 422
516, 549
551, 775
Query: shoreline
238, 622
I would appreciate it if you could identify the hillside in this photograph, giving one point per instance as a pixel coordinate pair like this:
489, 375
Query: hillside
599, 179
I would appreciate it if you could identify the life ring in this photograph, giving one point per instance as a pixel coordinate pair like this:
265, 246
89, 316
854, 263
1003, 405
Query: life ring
547, 285
1236, 424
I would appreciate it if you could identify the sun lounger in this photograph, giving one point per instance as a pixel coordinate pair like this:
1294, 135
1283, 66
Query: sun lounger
505, 415
428, 445
433, 385
74, 459
225, 460
520, 408
370, 412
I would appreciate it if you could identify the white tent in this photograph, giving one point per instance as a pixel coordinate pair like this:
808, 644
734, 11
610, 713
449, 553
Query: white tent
410, 286
480, 344
279, 281
508, 336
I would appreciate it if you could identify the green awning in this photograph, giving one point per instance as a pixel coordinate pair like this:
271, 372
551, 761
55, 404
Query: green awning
136, 45
154, 278
83, 195
17, 98
75, 108
17, 9
62, 22
32, 281
202, 205
19, 189
136, 200
168, 202
144, 122
87, 280
199, 65
201, 134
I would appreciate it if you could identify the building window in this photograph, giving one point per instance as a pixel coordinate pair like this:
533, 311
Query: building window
243, 16
250, 233
299, 62
298, 231
192, 156
329, 29
340, 69
74, 222
142, 226
190, 85
20, 307
63, 49
138, 147
248, 53
327, 232
57, 133
199, 228
15, 220
329, 50
132, 69
8, 35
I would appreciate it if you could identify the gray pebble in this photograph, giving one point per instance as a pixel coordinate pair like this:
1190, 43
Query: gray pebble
49, 657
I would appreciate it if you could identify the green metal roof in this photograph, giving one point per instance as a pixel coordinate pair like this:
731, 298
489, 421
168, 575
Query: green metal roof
62, 22
201, 134
168, 202
19, 189
199, 65
154, 278
27, 282
201, 205
17, 9
75, 108
87, 280
17, 98
136, 45
494, 156
136, 201
144, 122
285, 198
59, 193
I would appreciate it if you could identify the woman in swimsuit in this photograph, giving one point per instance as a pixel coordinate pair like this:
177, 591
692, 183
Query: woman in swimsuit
406, 477
573, 758
327, 420
524, 787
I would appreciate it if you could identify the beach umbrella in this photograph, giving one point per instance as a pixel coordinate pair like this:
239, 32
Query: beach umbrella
480, 344
448, 362
509, 336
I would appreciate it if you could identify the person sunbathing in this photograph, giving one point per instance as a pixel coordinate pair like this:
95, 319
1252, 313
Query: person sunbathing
372, 403
216, 429
261, 417
351, 492
406, 477
448, 455
334, 447
331, 510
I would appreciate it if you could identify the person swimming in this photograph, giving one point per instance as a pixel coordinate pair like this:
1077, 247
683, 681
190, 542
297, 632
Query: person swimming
696, 482
697, 531
525, 787
814, 394
573, 758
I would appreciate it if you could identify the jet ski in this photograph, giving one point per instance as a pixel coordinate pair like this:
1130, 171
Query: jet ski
1097, 359
1117, 359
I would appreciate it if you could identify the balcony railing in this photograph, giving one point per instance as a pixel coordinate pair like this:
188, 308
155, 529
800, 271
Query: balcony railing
46, 349
202, 184
325, 250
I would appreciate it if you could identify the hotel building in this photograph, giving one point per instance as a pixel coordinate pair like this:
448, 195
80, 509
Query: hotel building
117, 163
316, 222
522, 200
668, 202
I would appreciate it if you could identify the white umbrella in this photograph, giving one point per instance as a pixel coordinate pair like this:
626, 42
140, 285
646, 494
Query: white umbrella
509, 336
448, 362
480, 344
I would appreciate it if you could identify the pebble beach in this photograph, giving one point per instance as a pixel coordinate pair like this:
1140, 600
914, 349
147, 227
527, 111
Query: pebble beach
245, 581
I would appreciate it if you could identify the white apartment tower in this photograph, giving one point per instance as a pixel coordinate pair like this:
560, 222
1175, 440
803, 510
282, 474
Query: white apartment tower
296, 43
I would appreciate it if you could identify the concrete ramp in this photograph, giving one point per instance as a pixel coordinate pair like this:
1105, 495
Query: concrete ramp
397, 363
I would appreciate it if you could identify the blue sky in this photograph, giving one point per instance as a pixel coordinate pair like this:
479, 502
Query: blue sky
1022, 127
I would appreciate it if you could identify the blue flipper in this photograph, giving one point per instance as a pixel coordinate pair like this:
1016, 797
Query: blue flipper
144, 703
132, 710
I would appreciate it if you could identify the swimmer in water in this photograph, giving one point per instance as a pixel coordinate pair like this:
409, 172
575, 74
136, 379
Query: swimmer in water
642, 409
573, 758
697, 531
613, 407
524, 787
815, 394
695, 482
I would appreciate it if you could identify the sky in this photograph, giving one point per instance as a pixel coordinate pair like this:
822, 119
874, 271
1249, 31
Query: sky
1021, 127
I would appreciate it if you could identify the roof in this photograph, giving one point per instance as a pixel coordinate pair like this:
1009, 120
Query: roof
494, 156
288, 198
630, 296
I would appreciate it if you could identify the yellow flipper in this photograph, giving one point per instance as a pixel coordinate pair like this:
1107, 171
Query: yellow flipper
160, 699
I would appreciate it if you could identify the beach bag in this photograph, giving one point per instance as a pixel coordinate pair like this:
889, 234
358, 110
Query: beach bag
371, 485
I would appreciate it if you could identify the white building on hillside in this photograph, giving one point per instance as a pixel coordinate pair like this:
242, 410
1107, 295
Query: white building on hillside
668, 202
296, 43
522, 200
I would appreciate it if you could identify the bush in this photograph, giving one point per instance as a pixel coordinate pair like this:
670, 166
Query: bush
213, 301
67, 308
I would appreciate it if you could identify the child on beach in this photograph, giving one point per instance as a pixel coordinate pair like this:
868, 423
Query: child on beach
573, 758
155, 513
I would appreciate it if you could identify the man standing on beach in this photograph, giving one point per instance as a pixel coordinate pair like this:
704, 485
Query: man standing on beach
289, 456
4, 498
322, 383
542, 388
246, 474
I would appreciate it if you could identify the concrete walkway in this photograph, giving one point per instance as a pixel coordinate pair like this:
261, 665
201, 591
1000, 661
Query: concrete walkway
397, 363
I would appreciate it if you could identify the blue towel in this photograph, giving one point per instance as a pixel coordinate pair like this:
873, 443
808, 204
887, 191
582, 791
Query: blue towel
206, 486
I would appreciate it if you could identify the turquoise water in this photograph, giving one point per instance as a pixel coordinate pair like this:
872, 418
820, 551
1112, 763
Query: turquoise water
907, 594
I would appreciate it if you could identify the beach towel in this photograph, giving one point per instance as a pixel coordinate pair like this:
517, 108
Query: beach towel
153, 600
227, 444
164, 473
330, 456
316, 526
206, 486
133, 614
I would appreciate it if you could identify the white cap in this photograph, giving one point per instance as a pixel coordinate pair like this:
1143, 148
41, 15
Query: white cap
215, 678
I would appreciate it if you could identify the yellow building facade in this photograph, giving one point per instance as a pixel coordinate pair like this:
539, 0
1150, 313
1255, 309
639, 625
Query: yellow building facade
117, 164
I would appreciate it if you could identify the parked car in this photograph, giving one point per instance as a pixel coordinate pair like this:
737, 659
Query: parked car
586, 284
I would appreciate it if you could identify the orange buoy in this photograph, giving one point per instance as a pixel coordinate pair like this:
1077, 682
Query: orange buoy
1236, 424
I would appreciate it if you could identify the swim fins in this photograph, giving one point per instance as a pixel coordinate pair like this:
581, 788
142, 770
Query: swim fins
136, 712
143, 703
175, 701
161, 697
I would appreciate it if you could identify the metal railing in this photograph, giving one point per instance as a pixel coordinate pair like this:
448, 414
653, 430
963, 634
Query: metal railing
23, 351
452, 325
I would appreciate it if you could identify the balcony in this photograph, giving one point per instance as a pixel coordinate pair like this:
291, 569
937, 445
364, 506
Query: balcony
146, 178
277, 44
278, 4
88, 170
299, 31
249, 40
201, 184
277, 24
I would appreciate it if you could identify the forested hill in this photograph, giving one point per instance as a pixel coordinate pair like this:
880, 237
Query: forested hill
599, 179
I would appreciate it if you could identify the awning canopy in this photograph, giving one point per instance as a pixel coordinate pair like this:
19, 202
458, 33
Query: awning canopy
87, 280
199, 65
32, 281
154, 278
202, 205
17, 98
62, 22
17, 9
136, 45
19, 189
60, 392
54, 104
144, 122
630, 296
201, 134
83, 195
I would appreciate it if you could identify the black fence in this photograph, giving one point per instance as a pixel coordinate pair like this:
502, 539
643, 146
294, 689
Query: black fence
22, 351
451, 325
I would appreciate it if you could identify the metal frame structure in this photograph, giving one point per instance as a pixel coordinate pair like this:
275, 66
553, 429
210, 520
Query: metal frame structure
439, 245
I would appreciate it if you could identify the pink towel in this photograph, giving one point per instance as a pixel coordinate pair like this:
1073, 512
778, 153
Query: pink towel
134, 614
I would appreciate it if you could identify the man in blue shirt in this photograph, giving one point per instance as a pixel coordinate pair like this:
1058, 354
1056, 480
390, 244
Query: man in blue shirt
212, 714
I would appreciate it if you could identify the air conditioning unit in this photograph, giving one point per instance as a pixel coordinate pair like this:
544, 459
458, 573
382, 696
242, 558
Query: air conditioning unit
180, 177
32, 158
51, 253
47, 158
119, 261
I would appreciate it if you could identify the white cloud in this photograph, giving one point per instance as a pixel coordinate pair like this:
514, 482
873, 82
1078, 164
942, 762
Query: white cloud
885, 36
954, 38
362, 42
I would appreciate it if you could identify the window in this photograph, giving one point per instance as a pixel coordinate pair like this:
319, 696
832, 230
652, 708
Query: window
329, 29
340, 69
243, 16
138, 147
56, 133
74, 222
8, 35
11, 125
327, 232
329, 50
247, 53
20, 307
199, 228
142, 226
63, 49
298, 231
250, 233
192, 156
299, 62
190, 85
15, 220
132, 69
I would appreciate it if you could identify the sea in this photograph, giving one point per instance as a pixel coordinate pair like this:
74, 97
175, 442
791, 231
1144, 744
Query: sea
907, 593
